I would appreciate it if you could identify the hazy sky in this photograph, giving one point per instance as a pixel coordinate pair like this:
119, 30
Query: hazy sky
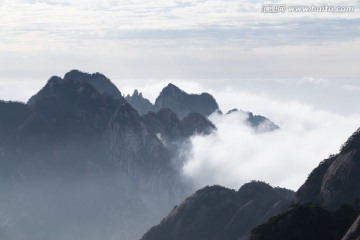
302, 64
180, 39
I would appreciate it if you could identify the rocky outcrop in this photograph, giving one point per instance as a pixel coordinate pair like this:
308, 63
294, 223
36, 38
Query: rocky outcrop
141, 104
220, 213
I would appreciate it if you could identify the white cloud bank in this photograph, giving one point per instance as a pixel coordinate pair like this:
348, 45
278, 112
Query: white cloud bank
236, 154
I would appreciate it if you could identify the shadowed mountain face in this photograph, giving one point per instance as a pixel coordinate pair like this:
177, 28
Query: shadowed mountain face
307, 223
354, 231
333, 183
101, 83
336, 180
79, 162
167, 125
13, 114
220, 213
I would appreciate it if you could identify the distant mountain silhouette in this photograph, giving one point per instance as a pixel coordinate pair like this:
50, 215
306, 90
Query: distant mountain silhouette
220, 213
180, 102
183, 103
257, 122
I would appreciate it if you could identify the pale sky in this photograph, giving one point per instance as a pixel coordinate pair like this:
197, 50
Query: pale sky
164, 39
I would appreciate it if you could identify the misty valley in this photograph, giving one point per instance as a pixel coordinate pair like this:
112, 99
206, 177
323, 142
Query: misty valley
81, 160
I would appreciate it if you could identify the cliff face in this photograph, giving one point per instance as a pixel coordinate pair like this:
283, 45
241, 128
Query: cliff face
220, 213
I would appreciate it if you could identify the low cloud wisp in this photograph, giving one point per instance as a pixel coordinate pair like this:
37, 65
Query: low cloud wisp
236, 154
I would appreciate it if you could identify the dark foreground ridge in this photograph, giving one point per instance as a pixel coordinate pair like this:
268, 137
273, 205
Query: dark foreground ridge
327, 203
220, 213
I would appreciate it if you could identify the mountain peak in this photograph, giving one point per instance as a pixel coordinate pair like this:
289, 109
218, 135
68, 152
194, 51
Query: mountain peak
99, 81
136, 93
173, 86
